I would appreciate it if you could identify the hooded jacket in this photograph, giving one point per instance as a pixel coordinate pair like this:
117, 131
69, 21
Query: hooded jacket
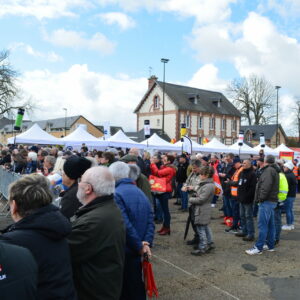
267, 187
165, 171
292, 182
44, 234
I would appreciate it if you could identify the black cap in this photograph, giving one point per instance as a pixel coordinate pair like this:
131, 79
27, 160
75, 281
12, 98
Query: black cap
75, 166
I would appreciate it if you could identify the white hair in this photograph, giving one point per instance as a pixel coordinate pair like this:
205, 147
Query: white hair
32, 155
119, 170
59, 165
134, 172
101, 179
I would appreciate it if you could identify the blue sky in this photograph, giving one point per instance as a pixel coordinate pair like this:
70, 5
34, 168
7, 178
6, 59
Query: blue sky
93, 56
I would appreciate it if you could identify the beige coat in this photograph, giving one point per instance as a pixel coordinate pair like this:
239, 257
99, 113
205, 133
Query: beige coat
201, 202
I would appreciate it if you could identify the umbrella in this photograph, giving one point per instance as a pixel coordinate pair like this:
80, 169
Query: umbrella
149, 281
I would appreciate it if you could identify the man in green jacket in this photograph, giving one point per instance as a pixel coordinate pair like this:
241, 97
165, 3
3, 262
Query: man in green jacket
97, 241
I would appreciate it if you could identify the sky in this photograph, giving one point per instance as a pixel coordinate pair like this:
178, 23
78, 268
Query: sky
93, 57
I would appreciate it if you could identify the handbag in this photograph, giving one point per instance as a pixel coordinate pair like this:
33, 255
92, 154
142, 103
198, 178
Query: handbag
158, 184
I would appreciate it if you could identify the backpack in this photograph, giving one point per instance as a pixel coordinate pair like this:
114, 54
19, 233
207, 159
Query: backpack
283, 187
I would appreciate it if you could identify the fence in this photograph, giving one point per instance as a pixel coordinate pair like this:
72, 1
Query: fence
6, 178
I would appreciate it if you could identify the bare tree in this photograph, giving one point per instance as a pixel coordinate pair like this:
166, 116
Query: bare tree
254, 97
296, 109
10, 95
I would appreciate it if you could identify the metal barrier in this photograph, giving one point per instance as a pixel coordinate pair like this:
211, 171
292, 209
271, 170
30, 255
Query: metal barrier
6, 178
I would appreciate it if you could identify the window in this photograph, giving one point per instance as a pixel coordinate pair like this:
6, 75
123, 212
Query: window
200, 140
200, 123
233, 125
223, 124
158, 122
188, 121
212, 123
156, 102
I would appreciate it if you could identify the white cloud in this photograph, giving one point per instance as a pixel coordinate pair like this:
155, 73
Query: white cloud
42, 9
285, 8
99, 97
120, 19
207, 78
49, 56
73, 39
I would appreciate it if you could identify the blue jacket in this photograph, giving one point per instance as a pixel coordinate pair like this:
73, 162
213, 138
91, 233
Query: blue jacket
137, 214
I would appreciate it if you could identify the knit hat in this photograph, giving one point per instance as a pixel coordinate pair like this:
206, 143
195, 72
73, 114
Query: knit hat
205, 158
289, 165
128, 158
75, 166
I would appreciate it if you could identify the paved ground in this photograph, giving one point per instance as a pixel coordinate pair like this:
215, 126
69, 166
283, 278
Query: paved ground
227, 272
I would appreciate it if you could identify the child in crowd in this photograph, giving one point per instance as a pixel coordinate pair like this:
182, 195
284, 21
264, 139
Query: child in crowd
201, 208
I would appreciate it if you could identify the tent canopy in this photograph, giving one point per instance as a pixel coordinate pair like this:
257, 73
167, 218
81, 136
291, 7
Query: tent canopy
156, 142
244, 149
215, 146
267, 149
120, 139
80, 135
35, 135
283, 148
195, 146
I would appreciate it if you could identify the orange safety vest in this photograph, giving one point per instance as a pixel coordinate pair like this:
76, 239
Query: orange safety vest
298, 177
235, 177
295, 171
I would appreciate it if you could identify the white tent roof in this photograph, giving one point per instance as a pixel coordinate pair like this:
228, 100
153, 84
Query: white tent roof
80, 135
35, 135
196, 146
245, 149
156, 142
120, 139
283, 148
267, 149
215, 146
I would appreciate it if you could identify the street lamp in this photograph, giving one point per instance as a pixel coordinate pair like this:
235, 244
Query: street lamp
164, 61
65, 120
277, 87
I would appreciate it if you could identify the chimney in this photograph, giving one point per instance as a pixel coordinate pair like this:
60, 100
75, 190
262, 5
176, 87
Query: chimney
151, 80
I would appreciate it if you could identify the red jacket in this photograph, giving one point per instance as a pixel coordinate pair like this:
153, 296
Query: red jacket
167, 172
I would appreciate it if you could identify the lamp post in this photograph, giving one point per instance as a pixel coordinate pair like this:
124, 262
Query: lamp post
65, 120
164, 61
277, 87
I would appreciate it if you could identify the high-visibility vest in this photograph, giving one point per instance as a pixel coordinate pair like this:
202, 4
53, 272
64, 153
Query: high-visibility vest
235, 177
283, 187
298, 177
295, 171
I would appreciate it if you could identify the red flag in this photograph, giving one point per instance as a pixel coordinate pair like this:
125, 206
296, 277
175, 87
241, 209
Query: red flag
217, 182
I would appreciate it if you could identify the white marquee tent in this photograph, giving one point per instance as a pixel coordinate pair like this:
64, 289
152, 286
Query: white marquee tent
283, 148
79, 136
35, 135
244, 149
186, 145
215, 146
267, 149
120, 139
157, 143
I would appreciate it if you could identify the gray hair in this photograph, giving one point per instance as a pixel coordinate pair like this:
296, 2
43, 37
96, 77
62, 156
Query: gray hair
119, 170
101, 179
93, 161
134, 172
50, 159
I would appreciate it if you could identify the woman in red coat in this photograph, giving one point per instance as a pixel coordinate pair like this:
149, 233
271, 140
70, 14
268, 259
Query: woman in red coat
168, 171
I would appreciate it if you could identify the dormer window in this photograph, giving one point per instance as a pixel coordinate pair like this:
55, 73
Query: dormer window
217, 103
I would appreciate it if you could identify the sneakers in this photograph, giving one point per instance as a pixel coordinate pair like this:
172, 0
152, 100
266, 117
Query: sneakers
292, 226
211, 246
194, 241
287, 227
266, 248
231, 230
253, 251
248, 238
199, 252
213, 205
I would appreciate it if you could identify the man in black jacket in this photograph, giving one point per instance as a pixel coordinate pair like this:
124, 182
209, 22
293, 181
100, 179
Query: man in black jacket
18, 273
97, 240
246, 192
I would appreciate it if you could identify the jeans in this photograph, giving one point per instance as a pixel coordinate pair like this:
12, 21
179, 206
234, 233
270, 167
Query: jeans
289, 205
214, 199
255, 210
227, 206
205, 236
266, 225
277, 218
246, 214
235, 212
178, 192
164, 203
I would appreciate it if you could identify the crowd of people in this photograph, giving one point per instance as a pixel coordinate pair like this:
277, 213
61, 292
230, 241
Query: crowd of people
84, 220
